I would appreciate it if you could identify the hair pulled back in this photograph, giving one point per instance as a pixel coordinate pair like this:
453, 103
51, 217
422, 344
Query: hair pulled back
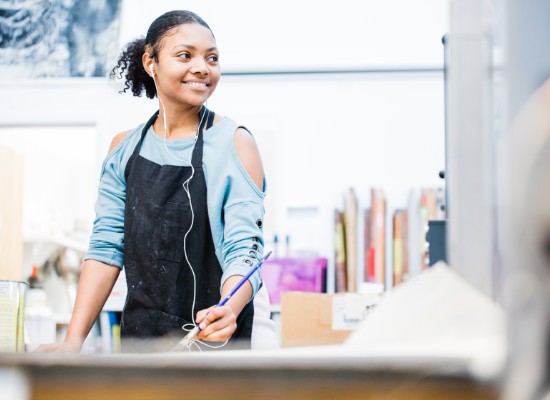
130, 62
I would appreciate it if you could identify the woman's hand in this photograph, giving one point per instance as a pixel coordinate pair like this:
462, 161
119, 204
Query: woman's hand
96, 282
217, 324
63, 347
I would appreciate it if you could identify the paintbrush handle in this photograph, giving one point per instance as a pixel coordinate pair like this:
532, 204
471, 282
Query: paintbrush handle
242, 281
187, 338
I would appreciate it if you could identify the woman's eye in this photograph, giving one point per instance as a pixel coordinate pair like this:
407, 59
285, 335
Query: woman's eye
184, 55
213, 58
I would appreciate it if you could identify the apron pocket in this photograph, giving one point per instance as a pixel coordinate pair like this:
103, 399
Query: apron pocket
176, 220
170, 324
168, 329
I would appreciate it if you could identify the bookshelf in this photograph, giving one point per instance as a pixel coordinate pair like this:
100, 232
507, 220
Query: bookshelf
387, 239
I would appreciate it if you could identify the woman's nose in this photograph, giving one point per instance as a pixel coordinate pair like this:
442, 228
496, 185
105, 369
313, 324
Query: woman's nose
199, 66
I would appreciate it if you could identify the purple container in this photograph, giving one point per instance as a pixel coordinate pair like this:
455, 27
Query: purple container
293, 274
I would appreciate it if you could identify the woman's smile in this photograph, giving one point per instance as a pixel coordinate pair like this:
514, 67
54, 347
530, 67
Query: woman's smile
197, 85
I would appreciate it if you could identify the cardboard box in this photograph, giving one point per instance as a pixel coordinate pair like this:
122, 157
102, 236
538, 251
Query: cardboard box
314, 319
306, 320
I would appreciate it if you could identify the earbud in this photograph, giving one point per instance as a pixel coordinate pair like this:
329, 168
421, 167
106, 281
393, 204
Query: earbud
151, 69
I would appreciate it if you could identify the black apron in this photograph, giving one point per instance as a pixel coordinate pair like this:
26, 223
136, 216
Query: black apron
159, 278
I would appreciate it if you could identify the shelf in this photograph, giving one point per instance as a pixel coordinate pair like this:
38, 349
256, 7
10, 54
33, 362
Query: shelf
57, 240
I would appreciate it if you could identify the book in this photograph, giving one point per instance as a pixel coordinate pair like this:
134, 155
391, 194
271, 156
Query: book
340, 252
106, 332
405, 233
109, 326
377, 250
414, 232
431, 207
350, 228
368, 253
400, 246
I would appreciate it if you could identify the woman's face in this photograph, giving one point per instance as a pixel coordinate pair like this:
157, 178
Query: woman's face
188, 70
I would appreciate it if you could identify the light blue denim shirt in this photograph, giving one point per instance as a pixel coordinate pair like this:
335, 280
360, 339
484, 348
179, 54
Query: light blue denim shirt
235, 204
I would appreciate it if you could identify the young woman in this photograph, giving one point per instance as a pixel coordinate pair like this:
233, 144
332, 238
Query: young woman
180, 204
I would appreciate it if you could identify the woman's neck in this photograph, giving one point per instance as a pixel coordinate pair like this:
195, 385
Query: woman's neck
181, 122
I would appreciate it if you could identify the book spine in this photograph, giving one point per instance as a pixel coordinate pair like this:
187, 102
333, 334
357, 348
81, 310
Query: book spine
340, 252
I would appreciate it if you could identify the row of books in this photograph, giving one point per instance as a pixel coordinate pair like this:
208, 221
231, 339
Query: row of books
371, 242
109, 326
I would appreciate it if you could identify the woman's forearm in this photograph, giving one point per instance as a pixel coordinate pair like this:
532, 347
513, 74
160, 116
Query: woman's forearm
96, 282
239, 300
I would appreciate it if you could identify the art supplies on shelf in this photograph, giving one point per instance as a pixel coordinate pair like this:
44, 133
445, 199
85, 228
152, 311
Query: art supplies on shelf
387, 243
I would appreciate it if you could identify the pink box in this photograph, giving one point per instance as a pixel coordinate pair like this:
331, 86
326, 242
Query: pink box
293, 274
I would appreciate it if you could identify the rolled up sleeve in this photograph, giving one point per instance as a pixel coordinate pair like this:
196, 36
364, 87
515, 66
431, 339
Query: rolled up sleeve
107, 239
243, 245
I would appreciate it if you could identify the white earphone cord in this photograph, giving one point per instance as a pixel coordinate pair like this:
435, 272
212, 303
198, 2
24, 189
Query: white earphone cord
187, 327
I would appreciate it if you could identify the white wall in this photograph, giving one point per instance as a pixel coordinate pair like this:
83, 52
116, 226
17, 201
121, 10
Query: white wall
318, 134
58, 169
289, 34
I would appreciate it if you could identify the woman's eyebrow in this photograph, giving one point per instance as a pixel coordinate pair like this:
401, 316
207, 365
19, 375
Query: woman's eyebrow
191, 47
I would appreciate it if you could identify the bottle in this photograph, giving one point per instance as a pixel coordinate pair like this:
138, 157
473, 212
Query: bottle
275, 246
33, 279
287, 246
40, 324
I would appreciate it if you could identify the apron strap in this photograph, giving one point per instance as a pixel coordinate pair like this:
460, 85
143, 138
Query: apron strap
206, 121
135, 153
210, 120
145, 129
203, 117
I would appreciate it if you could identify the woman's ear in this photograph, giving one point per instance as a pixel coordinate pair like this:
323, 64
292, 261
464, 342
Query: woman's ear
148, 63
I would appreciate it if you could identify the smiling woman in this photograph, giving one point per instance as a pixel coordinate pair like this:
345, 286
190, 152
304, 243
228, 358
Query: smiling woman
186, 72
178, 205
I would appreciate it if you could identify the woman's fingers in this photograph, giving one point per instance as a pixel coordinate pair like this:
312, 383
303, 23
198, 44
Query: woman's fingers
220, 335
203, 313
64, 347
47, 348
218, 325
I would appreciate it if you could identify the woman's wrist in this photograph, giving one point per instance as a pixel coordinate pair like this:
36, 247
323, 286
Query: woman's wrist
74, 341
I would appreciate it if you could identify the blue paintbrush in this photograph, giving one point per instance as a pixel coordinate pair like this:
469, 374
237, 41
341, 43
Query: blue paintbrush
187, 339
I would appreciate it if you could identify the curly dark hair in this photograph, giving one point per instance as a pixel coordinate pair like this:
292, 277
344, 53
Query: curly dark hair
130, 64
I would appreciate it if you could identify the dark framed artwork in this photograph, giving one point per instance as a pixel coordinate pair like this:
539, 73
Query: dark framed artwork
57, 38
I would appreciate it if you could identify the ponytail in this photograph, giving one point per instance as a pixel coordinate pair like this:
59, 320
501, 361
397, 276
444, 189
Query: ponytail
130, 65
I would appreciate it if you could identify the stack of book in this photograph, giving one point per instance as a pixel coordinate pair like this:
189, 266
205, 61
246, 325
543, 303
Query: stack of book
391, 250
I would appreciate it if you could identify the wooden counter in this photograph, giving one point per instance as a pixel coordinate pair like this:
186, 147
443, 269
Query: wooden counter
242, 375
